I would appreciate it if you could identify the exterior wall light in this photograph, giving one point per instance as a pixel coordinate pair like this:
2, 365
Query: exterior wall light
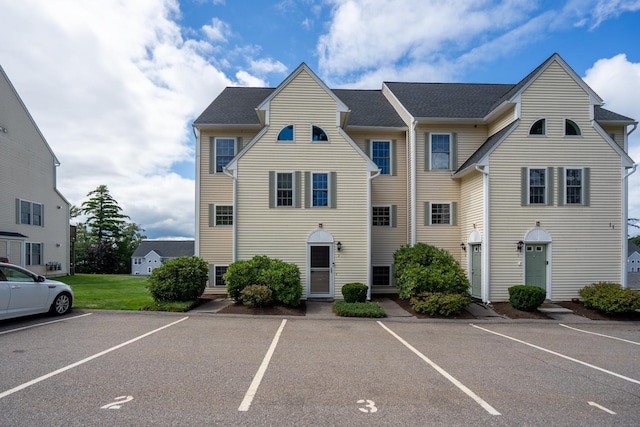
463, 246
519, 246
339, 246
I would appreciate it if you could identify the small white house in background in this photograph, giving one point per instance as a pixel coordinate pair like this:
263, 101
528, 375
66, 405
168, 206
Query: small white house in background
633, 258
150, 254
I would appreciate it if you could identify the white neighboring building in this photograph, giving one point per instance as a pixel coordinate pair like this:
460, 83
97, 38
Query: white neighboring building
150, 254
633, 259
34, 216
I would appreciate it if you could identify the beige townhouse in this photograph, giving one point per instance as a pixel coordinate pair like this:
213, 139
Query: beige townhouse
34, 215
522, 183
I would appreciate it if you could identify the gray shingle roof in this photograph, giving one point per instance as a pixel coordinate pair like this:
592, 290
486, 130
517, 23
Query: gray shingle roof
448, 100
369, 108
235, 106
165, 248
605, 115
631, 248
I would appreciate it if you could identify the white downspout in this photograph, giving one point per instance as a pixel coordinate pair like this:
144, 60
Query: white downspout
196, 135
412, 177
369, 233
625, 216
485, 241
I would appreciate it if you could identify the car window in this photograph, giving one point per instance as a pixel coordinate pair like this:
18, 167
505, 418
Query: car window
14, 275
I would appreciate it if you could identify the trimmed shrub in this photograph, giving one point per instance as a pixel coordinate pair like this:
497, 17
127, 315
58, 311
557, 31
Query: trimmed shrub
526, 297
354, 292
358, 309
424, 268
282, 278
438, 303
610, 298
179, 279
256, 296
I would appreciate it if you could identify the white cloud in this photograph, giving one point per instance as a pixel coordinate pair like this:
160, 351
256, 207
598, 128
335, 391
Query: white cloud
218, 31
113, 87
368, 34
266, 66
617, 81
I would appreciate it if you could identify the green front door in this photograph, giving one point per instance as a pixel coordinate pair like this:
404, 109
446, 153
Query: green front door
536, 265
476, 270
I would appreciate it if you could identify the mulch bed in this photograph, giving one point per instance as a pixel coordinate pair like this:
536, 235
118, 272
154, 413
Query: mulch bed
502, 308
274, 310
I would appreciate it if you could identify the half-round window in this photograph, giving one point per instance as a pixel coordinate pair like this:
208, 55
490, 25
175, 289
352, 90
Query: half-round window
286, 134
539, 128
317, 134
571, 128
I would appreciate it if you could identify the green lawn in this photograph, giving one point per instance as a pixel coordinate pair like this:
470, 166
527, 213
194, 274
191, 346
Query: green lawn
109, 291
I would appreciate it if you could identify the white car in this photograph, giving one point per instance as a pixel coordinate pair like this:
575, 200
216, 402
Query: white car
23, 292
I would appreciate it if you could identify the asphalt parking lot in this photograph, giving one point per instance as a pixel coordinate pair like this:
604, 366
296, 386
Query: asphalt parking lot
135, 368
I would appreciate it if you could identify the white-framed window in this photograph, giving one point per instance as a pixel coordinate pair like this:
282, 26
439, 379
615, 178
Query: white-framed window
224, 152
319, 189
440, 213
33, 253
571, 128
440, 151
538, 128
384, 216
286, 134
137, 261
318, 134
381, 216
381, 275
224, 215
381, 156
574, 186
285, 189
29, 213
537, 186
219, 270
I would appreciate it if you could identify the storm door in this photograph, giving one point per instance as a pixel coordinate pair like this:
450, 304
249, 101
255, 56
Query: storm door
320, 271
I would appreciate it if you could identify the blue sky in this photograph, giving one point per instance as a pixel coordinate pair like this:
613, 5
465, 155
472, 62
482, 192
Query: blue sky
114, 86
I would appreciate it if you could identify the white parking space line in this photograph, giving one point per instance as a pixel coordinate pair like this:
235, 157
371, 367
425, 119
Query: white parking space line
490, 409
608, 411
73, 365
600, 335
559, 355
45, 323
253, 388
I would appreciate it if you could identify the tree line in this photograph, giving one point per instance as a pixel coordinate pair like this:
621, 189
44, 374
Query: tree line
107, 238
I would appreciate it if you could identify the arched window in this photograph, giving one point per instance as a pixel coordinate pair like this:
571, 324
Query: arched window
539, 128
571, 128
317, 134
286, 134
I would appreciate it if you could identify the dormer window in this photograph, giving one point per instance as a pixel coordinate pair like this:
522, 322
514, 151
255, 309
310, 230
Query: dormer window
539, 127
286, 134
318, 134
571, 128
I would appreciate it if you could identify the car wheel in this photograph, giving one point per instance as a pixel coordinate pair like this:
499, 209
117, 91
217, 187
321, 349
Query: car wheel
61, 305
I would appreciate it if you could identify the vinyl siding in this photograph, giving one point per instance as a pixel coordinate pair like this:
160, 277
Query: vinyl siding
282, 232
28, 172
438, 186
388, 190
502, 121
618, 133
595, 229
216, 188
471, 209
